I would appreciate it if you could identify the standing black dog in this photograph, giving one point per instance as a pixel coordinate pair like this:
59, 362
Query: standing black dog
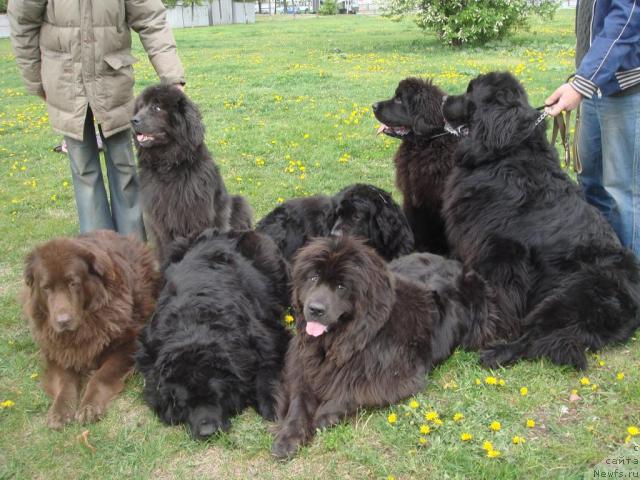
180, 185
216, 343
424, 159
360, 209
514, 216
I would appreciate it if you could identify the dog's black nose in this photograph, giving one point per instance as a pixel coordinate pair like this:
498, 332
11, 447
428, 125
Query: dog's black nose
375, 106
135, 120
317, 309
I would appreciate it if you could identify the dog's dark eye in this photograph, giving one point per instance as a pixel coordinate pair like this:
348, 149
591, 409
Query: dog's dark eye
314, 277
156, 108
342, 287
397, 100
73, 283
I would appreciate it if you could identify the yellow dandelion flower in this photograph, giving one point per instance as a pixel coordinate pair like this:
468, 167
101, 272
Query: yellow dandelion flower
422, 441
478, 382
574, 392
601, 363
438, 422
501, 382
620, 376
495, 426
491, 380
414, 404
524, 391
585, 381
306, 135
392, 418
633, 431
466, 436
425, 429
289, 319
34, 375
280, 200
487, 445
431, 415
594, 387
7, 404
458, 417
493, 453
518, 440
530, 423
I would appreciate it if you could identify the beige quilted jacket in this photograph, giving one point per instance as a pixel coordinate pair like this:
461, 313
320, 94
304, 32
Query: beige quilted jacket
78, 53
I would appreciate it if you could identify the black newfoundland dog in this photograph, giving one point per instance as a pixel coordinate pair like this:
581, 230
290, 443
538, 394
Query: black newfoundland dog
216, 343
360, 209
424, 159
565, 282
367, 335
181, 187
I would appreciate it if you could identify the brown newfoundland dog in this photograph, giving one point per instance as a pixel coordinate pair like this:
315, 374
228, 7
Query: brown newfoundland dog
367, 336
424, 159
181, 187
86, 299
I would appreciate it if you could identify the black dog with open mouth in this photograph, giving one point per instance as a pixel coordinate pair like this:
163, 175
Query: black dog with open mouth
424, 159
514, 216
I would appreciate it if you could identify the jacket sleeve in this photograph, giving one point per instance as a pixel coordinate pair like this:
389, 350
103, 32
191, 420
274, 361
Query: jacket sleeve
621, 32
25, 20
148, 18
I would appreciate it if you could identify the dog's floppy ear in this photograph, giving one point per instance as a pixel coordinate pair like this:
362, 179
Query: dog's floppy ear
504, 121
427, 114
390, 233
188, 122
374, 301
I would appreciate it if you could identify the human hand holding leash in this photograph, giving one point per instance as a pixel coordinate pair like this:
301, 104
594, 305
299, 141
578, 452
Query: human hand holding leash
565, 98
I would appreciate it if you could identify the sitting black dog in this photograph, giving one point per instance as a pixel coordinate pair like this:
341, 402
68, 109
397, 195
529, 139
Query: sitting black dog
360, 209
564, 281
216, 343
424, 159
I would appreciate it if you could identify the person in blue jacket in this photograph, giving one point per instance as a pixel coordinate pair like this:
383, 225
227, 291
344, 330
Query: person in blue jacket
607, 86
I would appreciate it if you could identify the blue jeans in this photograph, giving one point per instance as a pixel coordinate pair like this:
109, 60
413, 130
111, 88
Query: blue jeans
609, 148
124, 215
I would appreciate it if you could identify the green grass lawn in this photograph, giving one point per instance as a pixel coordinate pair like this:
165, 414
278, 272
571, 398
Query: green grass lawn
287, 109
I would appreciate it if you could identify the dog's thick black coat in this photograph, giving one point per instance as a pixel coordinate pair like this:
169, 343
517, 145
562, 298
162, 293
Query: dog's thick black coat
424, 159
216, 343
360, 209
565, 282
367, 334
181, 187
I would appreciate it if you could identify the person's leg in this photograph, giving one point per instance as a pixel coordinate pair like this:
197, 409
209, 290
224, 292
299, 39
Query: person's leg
123, 184
88, 184
590, 153
620, 120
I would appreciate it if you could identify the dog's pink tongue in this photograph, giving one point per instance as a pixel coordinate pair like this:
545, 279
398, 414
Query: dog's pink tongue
381, 128
315, 329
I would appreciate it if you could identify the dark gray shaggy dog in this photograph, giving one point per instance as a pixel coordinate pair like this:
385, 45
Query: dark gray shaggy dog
367, 333
216, 343
513, 215
180, 185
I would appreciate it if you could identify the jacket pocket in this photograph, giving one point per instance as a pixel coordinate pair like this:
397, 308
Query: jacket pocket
58, 79
117, 60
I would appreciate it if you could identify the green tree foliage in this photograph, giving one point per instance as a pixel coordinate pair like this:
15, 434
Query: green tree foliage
471, 22
329, 7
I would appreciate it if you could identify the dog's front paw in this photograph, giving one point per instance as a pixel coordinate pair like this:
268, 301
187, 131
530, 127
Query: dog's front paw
498, 356
285, 446
89, 413
326, 420
56, 420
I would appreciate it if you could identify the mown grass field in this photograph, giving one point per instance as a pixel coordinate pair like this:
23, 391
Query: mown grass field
287, 109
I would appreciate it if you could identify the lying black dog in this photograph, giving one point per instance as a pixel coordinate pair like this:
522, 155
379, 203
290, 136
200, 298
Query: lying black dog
181, 188
359, 209
424, 159
216, 343
368, 333
565, 282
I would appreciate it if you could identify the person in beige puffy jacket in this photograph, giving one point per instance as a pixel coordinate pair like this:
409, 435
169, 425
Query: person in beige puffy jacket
77, 57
